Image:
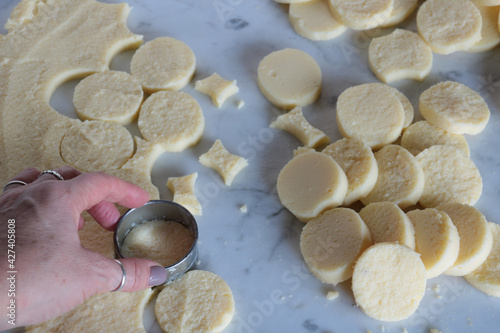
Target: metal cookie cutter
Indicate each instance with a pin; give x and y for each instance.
(160, 210)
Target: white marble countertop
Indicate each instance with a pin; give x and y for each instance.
(258, 253)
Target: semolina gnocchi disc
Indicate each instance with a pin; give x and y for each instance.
(401, 10)
(490, 35)
(361, 14)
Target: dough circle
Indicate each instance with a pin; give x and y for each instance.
(490, 35)
(400, 11)
(361, 14)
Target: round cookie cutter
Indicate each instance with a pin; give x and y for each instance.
(159, 210)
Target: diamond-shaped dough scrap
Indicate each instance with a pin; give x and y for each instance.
(226, 164)
(183, 191)
(218, 88)
(361, 14)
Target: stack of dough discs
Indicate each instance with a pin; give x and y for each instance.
(164, 63)
(199, 301)
(371, 113)
(173, 119)
(449, 26)
(487, 276)
(289, 78)
(361, 14)
(389, 281)
(110, 95)
(400, 55)
(332, 242)
(311, 183)
(388, 223)
(97, 146)
(450, 176)
(455, 108)
(359, 165)
(437, 240)
(475, 237)
(400, 178)
(423, 135)
(313, 20)
(400, 11)
(490, 35)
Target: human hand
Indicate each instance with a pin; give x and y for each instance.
(54, 273)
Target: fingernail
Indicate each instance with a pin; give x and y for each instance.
(157, 276)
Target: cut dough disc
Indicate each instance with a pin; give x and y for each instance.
(400, 55)
(400, 178)
(361, 14)
(199, 301)
(110, 96)
(359, 165)
(401, 10)
(490, 35)
(409, 112)
(455, 108)
(289, 78)
(164, 63)
(449, 26)
(389, 281)
(332, 242)
(173, 119)
(311, 183)
(313, 20)
(450, 176)
(97, 146)
(487, 276)
(371, 113)
(475, 237)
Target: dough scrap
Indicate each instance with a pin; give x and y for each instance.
(96, 146)
(218, 88)
(173, 119)
(400, 178)
(183, 191)
(450, 176)
(389, 281)
(490, 36)
(289, 78)
(449, 26)
(423, 135)
(146, 153)
(296, 124)
(332, 242)
(455, 108)
(110, 95)
(487, 276)
(226, 164)
(388, 223)
(475, 237)
(359, 165)
(371, 113)
(311, 183)
(401, 10)
(164, 63)
(361, 14)
(313, 20)
(199, 301)
(400, 55)
(437, 240)
(95, 238)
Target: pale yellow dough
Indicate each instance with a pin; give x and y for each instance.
(409, 112)
(401, 10)
(487, 276)
(172, 119)
(449, 26)
(371, 113)
(359, 165)
(400, 55)
(183, 190)
(389, 281)
(218, 88)
(450, 176)
(332, 242)
(361, 14)
(423, 135)
(313, 20)
(487, 2)
(199, 301)
(311, 183)
(139, 178)
(475, 237)
(400, 178)
(144, 157)
(296, 124)
(437, 240)
(96, 146)
(455, 108)
(110, 96)
(490, 35)
(226, 164)
(388, 223)
(289, 78)
(164, 63)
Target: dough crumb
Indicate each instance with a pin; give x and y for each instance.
(244, 209)
(240, 105)
(331, 295)
(218, 88)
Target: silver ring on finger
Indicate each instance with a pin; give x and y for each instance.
(14, 182)
(53, 173)
(124, 277)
